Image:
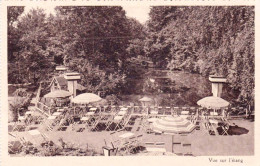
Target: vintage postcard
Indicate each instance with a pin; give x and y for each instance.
(129, 82)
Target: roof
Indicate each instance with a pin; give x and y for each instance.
(63, 83)
(61, 80)
(80, 87)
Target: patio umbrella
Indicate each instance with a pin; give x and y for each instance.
(145, 99)
(86, 98)
(58, 93)
(173, 125)
(213, 102)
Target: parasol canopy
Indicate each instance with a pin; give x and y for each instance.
(86, 98)
(58, 93)
(173, 125)
(145, 99)
(213, 102)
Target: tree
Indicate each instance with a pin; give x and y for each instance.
(35, 59)
(13, 13)
(207, 40)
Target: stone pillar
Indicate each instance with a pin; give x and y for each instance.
(217, 84)
(72, 79)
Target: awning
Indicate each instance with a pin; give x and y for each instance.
(58, 93)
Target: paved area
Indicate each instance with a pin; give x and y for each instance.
(202, 144)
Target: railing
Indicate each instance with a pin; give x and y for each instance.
(234, 112)
(38, 93)
(43, 108)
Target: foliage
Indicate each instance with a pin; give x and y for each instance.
(205, 40)
(89, 40)
(19, 102)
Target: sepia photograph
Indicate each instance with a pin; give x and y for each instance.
(131, 81)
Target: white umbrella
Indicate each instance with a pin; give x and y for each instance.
(173, 125)
(213, 102)
(86, 98)
(145, 99)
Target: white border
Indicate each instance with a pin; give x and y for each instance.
(111, 161)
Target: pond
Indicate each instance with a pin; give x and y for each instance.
(172, 88)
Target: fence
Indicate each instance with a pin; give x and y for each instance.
(43, 108)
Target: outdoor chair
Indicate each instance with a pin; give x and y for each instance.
(125, 149)
(14, 147)
(225, 130)
(95, 125)
(138, 142)
(19, 126)
(176, 111)
(145, 126)
(167, 111)
(119, 124)
(12, 135)
(45, 137)
(21, 119)
(137, 110)
(108, 124)
(133, 144)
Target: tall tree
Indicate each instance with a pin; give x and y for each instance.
(13, 13)
(208, 40)
(35, 59)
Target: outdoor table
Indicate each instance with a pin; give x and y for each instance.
(93, 109)
(154, 112)
(123, 109)
(184, 112)
(126, 135)
(28, 113)
(121, 112)
(151, 120)
(118, 117)
(52, 117)
(60, 110)
(213, 113)
(21, 118)
(213, 121)
(90, 113)
(86, 118)
(56, 113)
(34, 132)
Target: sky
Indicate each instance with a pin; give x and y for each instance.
(141, 13)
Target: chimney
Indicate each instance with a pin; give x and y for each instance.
(72, 82)
(217, 84)
(61, 69)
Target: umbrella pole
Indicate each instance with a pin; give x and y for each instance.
(172, 142)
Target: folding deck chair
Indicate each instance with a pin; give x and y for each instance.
(225, 130)
(95, 125)
(19, 126)
(14, 147)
